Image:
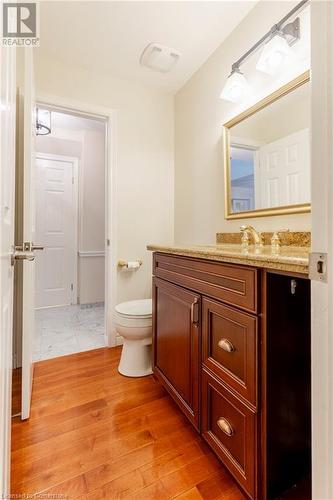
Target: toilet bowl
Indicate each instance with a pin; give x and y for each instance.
(133, 322)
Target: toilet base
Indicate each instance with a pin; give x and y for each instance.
(135, 358)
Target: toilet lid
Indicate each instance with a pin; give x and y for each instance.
(135, 308)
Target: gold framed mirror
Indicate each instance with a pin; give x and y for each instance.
(267, 155)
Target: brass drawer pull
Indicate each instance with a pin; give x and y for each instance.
(226, 345)
(225, 426)
(195, 312)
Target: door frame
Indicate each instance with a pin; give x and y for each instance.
(110, 116)
(75, 164)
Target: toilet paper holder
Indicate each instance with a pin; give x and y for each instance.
(124, 264)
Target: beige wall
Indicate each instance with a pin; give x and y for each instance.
(92, 217)
(145, 170)
(199, 116)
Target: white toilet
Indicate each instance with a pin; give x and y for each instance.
(134, 323)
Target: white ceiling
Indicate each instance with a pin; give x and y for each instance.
(109, 36)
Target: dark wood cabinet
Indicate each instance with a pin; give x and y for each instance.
(229, 427)
(231, 345)
(235, 285)
(287, 383)
(177, 344)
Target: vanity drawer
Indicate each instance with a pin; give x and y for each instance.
(229, 427)
(230, 347)
(235, 285)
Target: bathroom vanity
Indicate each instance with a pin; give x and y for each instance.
(231, 345)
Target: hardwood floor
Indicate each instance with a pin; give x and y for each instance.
(94, 434)
(16, 390)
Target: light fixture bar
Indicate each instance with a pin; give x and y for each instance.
(276, 28)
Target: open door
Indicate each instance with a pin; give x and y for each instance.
(26, 249)
(7, 205)
(322, 243)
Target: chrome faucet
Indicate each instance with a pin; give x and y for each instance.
(257, 237)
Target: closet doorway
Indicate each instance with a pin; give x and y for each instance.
(70, 225)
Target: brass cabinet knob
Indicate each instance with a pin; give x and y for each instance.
(226, 345)
(225, 426)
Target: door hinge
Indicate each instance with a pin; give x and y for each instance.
(318, 266)
(72, 287)
(72, 180)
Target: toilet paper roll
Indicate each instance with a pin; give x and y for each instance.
(134, 264)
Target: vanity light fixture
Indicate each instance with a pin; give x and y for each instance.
(278, 47)
(236, 86)
(273, 54)
(276, 42)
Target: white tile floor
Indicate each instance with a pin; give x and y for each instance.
(65, 330)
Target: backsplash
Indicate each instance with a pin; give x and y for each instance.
(290, 238)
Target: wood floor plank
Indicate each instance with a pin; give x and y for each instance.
(16, 390)
(192, 494)
(94, 434)
(66, 434)
(39, 432)
(219, 486)
(97, 439)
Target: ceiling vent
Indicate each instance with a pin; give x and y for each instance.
(159, 57)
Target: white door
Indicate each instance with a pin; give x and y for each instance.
(28, 314)
(285, 170)
(322, 242)
(7, 189)
(56, 230)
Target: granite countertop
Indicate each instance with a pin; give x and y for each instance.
(286, 258)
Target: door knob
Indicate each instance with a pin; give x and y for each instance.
(21, 255)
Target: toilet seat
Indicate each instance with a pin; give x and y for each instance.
(135, 309)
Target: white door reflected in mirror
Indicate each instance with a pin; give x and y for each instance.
(268, 155)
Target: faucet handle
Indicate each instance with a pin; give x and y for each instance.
(245, 240)
(275, 240)
(245, 227)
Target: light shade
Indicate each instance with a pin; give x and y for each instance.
(273, 54)
(236, 87)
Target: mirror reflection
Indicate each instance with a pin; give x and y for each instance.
(270, 155)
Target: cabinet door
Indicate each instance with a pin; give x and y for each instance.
(176, 339)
